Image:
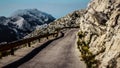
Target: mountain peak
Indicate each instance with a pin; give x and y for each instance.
(24, 21)
(35, 12)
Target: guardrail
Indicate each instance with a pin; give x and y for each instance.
(58, 29)
(12, 45)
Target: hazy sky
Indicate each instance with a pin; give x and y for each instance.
(57, 8)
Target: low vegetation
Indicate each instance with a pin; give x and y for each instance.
(86, 55)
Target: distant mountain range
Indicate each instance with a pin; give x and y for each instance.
(21, 23)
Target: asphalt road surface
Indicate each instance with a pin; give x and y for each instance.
(60, 53)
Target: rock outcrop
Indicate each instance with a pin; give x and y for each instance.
(99, 34)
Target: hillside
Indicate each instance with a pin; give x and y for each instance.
(21, 23)
(70, 20)
(99, 34)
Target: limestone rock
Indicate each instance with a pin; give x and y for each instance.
(101, 28)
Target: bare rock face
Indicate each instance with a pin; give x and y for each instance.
(99, 34)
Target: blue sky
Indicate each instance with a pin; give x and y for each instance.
(57, 8)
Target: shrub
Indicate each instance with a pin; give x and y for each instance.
(86, 55)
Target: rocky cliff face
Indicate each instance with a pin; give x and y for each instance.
(99, 34)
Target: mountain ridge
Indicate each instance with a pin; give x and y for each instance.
(23, 22)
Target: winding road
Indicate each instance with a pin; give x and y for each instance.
(61, 53)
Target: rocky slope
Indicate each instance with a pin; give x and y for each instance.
(21, 23)
(99, 34)
(70, 20)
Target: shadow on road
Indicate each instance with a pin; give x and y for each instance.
(31, 54)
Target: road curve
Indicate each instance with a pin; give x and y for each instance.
(60, 53)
